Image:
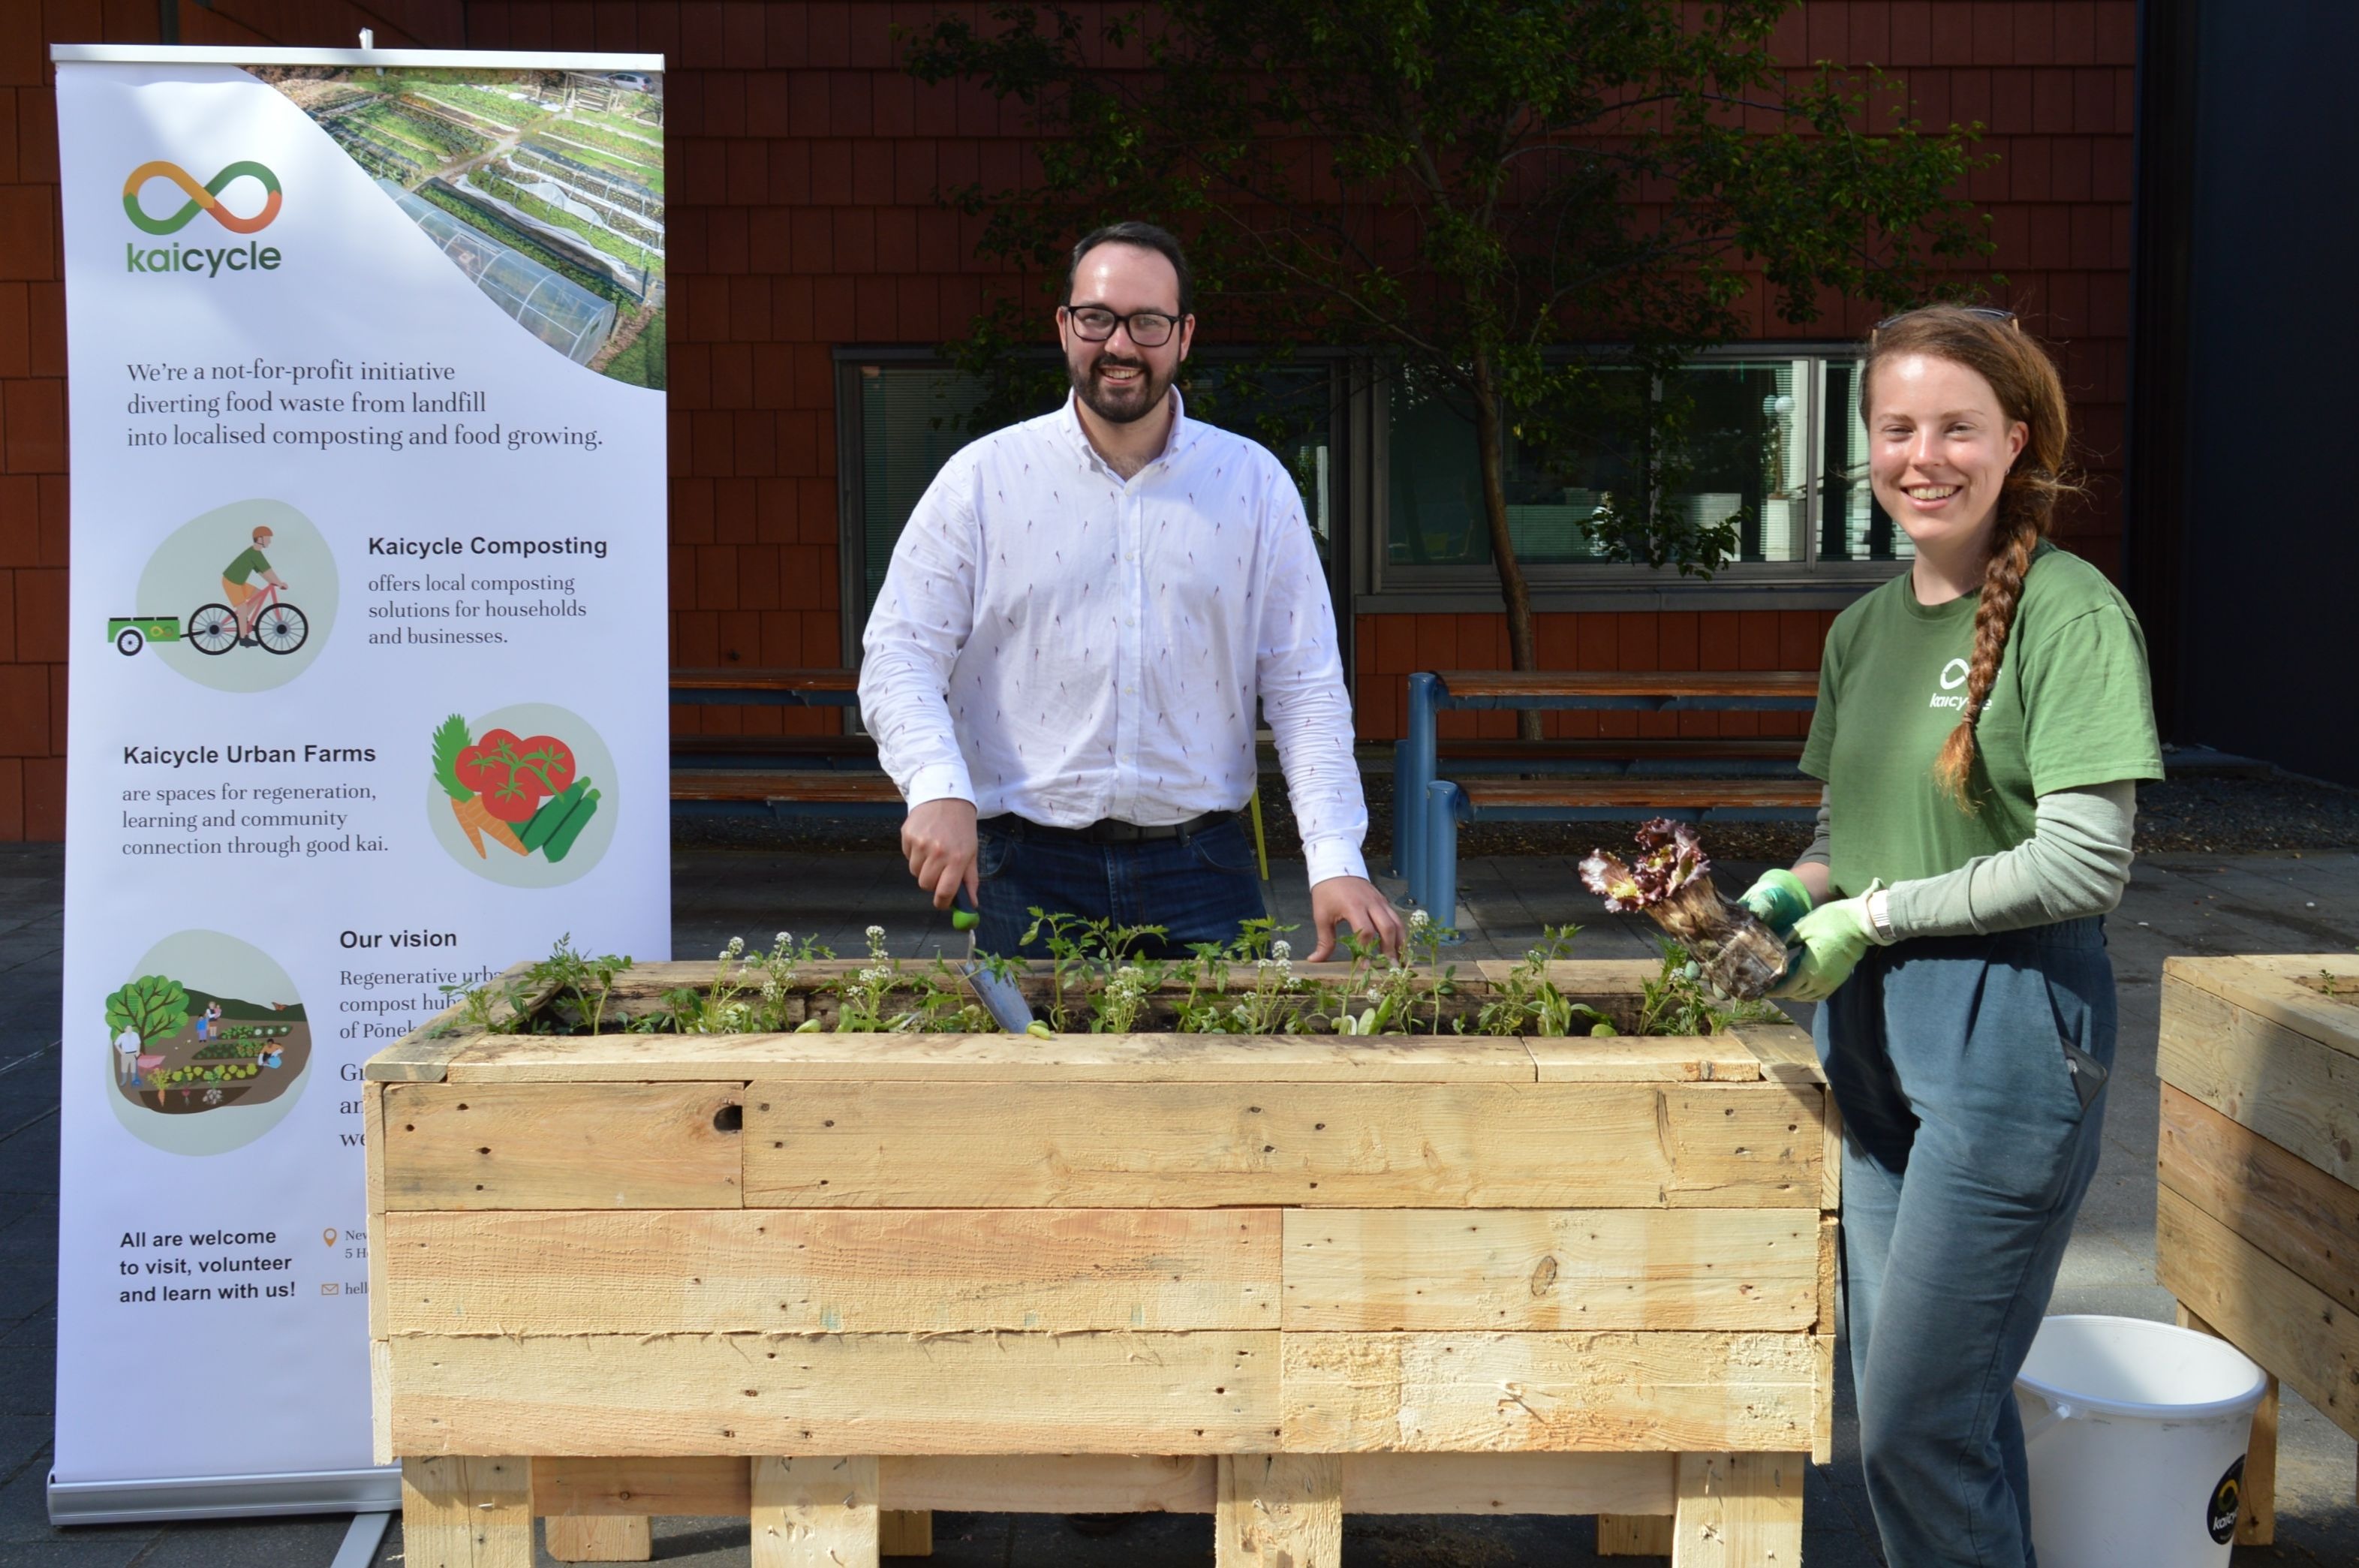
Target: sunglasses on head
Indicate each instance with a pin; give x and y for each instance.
(1987, 312)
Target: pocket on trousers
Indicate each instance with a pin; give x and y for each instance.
(1225, 848)
(994, 854)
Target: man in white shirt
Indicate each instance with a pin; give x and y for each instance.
(1063, 665)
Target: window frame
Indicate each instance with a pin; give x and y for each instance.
(1385, 586)
(1345, 481)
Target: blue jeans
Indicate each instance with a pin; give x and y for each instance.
(1200, 888)
(1966, 1153)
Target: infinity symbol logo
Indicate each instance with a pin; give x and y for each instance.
(202, 198)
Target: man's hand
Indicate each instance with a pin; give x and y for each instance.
(939, 839)
(1353, 900)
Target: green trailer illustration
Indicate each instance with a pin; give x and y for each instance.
(129, 634)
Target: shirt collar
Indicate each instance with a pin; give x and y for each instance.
(1181, 437)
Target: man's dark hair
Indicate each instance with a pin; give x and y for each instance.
(1146, 236)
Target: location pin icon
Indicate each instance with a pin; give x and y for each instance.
(329, 1236)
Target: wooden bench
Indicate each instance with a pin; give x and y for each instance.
(699, 752)
(764, 686)
(1449, 803)
(823, 792)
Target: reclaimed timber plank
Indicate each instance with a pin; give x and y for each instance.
(1334, 1146)
(1823, 1408)
(807, 1271)
(697, 1487)
(1463, 1393)
(1631, 1058)
(1787, 1054)
(2256, 1497)
(646, 1146)
(1631, 682)
(1555, 1483)
(2272, 1314)
(815, 1512)
(1670, 794)
(1738, 1510)
(599, 1538)
(1830, 1271)
(1831, 1149)
(1053, 1483)
(2266, 983)
(465, 1511)
(1278, 1510)
(420, 1056)
(1540, 1269)
(381, 1403)
(2288, 1207)
(992, 1057)
(904, 1532)
(1636, 1535)
(2297, 1093)
(372, 1165)
(629, 1395)
(1558, 1483)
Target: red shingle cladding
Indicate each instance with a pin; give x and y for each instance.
(803, 164)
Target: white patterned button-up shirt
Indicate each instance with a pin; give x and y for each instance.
(1054, 642)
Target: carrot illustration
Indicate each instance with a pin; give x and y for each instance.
(451, 740)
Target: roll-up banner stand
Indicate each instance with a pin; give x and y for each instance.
(367, 694)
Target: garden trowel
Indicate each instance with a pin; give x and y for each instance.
(995, 992)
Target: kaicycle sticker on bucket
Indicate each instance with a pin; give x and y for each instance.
(2227, 1502)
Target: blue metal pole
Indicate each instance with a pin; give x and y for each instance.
(1439, 895)
(1413, 770)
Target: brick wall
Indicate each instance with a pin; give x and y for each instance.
(802, 162)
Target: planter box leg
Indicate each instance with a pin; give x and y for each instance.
(1278, 1510)
(815, 1513)
(1739, 1510)
(2257, 1519)
(465, 1512)
(1634, 1535)
(906, 1532)
(600, 1538)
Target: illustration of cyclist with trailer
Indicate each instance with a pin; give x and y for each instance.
(255, 616)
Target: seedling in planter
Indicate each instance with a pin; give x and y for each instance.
(1527, 1002)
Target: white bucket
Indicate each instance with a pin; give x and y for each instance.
(2136, 1433)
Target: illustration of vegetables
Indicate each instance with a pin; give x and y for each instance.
(455, 764)
(524, 792)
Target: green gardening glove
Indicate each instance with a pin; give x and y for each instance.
(1778, 900)
(1833, 938)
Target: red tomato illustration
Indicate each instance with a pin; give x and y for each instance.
(549, 759)
(479, 769)
(514, 798)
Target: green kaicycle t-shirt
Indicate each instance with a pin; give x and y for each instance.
(2071, 707)
(245, 566)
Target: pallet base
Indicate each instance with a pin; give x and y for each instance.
(1705, 1510)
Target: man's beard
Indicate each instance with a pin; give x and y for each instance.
(1120, 405)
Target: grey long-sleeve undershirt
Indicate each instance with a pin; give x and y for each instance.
(2076, 863)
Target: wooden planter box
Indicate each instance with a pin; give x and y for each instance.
(833, 1280)
(2256, 1225)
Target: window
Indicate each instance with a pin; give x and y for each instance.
(902, 420)
(1768, 443)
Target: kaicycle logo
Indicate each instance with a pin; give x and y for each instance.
(1953, 675)
(205, 199)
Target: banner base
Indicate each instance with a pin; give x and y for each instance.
(224, 1496)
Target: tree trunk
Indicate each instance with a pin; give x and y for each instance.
(1523, 644)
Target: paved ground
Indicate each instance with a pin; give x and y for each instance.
(2178, 903)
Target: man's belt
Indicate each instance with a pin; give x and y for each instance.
(1108, 829)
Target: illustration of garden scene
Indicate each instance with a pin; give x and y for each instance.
(545, 187)
(180, 1049)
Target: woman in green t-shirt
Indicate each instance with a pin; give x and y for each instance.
(1982, 721)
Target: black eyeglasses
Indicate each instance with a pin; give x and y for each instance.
(1095, 323)
(1987, 312)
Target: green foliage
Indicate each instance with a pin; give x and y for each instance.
(1517, 205)
(588, 981)
(154, 1005)
(1675, 1001)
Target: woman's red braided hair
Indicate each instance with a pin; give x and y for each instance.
(2030, 391)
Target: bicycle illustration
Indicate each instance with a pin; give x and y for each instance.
(279, 627)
